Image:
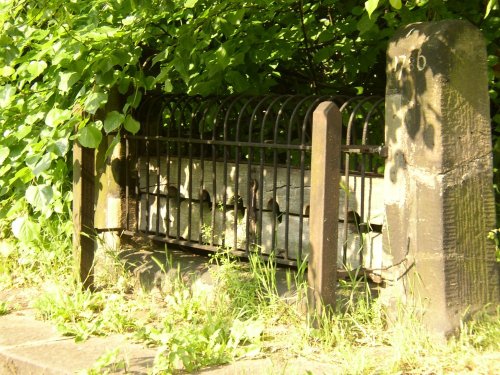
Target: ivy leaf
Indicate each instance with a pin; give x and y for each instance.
(190, 3)
(7, 71)
(222, 57)
(123, 85)
(370, 6)
(491, 5)
(131, 124)
(168, 87)
(25, 230)
(365, 24)
(161, 56)
(396, 4)
(24, 174)
(90, 136)
(127, 21)
(134, 100)
(112, 145)
(6, 93)
(66, 80)
(4, 153)
(113, 120)
(35, 68)
(95, 101)
(42, 165)
(40, 196)
(60, 147)
(57, 116)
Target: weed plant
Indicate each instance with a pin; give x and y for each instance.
(4, 308)
(47, 255)
(242, 315)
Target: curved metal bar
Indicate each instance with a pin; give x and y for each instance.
(368, 117)
(237, 172)
(275, 178)
(267, 111)
(252, 189)
(208, 104)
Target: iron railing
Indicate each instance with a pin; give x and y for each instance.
(234, 172)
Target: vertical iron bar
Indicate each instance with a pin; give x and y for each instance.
(127, 183)
(137, 186)
(287, 98)
(190, 116)
(261, 174)
(148, 203)
(168, 161)
(352, 118)
(158, 181)
(178, 124)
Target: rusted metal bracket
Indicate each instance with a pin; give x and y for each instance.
(366, 149)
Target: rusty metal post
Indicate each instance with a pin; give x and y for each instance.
(83, 213)
(324, 205)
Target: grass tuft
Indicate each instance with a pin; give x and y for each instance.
(242, 315)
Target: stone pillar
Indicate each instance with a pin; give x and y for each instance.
(438, 177)
(108, 211)
(324, 207)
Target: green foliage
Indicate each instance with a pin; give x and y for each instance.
(62, 63)
(193, 325)
(41, 250)
(80, 313)
(4, 308)
(110, 362)
(214, 326)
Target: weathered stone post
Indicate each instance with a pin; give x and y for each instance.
(438, 177)
(107, 217)
(108, 213)
(324, 207)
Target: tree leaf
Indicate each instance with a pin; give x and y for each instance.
(60, 147)
(95, 101)
(190, 3)
(365, 24)
(43, 164)
(131, 124)
(112, 145)
(90, 136)
(6, 93)
(66, 80)
(123, 85)
(492, 4)
(35, 68)
(370, 6)
(24, 174)
(39, 196)
(7, 71)
(396, 4)
(135, 99)
(57, 116)
(4, 153)
(25, 230)
(113, 121)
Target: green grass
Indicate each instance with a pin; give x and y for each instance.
(4, 308)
